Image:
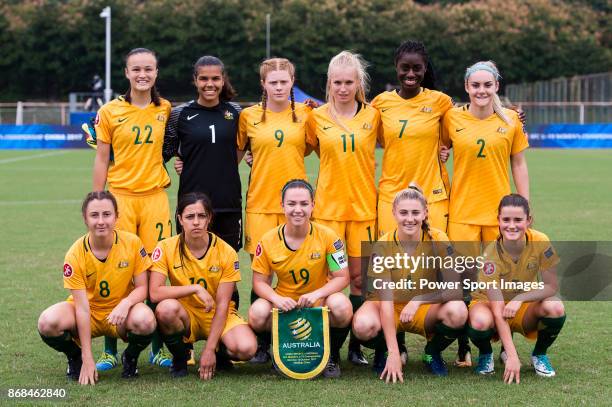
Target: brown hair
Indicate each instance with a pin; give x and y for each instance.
(276, 64)
(100, 196)
(183, 202)
(227, 92)
(155, 98)
(514, 200)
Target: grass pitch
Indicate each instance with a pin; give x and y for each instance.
(40, 196)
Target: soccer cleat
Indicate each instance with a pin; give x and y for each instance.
(356, 357)
(380, 361)
(107, 361)
(191, 360)
(464, 357)
(332, 369)
(163, 358)
(542, 366)
(435, 364)
(403, 353)
(503, 356)
(74, 367)
(130, 366)
(178, 369)
(262, 355)
(485, 364)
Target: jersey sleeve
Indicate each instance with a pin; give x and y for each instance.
(74, 273)
(445, 130)
(335, 256)
(142, 261)
(445, 103)
(520, 141)
(261, 264)
(102, 126)
(548, 257)
(231, 267)
(159, 259)
(242, 139)
(171, 140)
(311, 130)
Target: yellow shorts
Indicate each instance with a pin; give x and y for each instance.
(417, 325)
(147, 216)
(200, 322)
(256, 225)
(516, 323)
(99, 324)
(461, 232)
(437, 217)
(352, 233)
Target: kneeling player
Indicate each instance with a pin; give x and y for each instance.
(520, 258)
(203, 271)
(437, 315)
(105, 272)
(310, 265)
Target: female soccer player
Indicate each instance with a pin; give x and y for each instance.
(411, 122)
(133, 127)
(438, 316)
(525, 259)
(203, 270)
(105, 271)
(343, 132)
(318, 254)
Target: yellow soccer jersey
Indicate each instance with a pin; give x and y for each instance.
(481, 157)
(537, 255)
(345, 188)
(137, 137)
(426, 270)
(411, 139)
(106, 282)
(278, 146)
(303, 270)
(219, 265)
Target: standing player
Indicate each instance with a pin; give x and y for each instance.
(275, 133)
(105, 271)
(132, 126)
(520, 256)
(438, 316)
(343, 132)
(203, 271)
(309, 263)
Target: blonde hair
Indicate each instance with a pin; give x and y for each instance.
(276, 64)
(489, 66)
(413, 192)
(351, 60)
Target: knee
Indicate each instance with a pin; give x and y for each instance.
(455, 314)
(365, 328)
(258, 317)
(244, 349)
(48, 324)
(167, 311)
(481, 321)
(342, 312)
(142, 321)
(553, 308)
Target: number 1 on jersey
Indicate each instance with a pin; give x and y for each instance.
(212, 129)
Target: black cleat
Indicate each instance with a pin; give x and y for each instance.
(223, 360)
(380, 361)
(179, 366)
(74, 367)
(130, 366)
(356, 357)
(262, 355)
(332, 369)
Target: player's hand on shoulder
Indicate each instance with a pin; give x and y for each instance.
(208, 364)
(311, 103)
(444, 153)
(178, 166)
(393, 369)
(248, 158)
(285, 303)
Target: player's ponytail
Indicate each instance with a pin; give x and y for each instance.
(100, 196)
(227, 91)
(155, 98)
(183, 202)
(489, 66)
(276, 64)
(413, 192)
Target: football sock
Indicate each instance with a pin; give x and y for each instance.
(176, 346)
(254, 296)
(482, 339)
(62, 343)
(136, 344)
(356, 302)
(337, 338)
(110, 345)
(156, 340)
(443, 336)
(378, 342)
(548, 329)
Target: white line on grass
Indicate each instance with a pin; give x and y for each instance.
(29, 157)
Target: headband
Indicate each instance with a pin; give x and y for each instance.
(482, 67)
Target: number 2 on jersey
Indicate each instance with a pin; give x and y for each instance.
(480, 154)
(148, 129)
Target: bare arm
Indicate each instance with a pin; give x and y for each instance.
(89, 375)
(513, 364)
(138, 294)
(100, 169)
(262, 287)
(339, 281)
(158, 291)
(551, 286)
(208, 359)
(518, 164)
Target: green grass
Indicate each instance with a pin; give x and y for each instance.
(39, 207)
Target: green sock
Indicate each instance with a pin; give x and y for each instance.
(110, 345)
(62, 343)
(356, 302)
(482, 339)
(176, 346)
(548, 330)
(156, 340)
(136, 344)
(337, 338)
(443, 336)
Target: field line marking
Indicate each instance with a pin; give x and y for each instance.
(30, 157)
